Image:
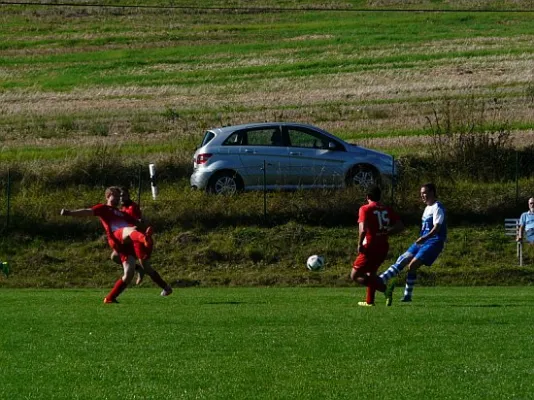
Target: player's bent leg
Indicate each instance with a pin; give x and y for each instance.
(358, 276)
(370, 280)
(129, 270)
(410, 279)
(140, 274)
(396, 268)
(126, 233)
(142, 251)
(377, 283)
(115, 257)
(389, 293)
(364, 273)
(128, 265)
(141, 238)
(156, 277)
(426, 255)
(370, 294)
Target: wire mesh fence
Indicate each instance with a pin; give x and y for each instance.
(490, 193)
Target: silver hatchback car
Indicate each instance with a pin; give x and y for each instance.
(283, 155)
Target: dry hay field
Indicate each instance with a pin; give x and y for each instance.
(149, 80)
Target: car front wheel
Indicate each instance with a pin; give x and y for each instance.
(225, 183)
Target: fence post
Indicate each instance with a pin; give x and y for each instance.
(139, 187)
(264, 190)
(153, 185)
(516, 177)
(8, 196)
(393, 181)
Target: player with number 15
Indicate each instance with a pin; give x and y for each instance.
(375, 222)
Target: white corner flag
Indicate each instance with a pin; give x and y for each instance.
(153, 186)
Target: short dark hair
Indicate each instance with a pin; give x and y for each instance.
(112, 189)
(430, 187)
(374, 193)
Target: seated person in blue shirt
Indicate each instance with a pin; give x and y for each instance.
(526, 224)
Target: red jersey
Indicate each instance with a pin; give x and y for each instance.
(112, 219)
(133, 210)
(378, 219)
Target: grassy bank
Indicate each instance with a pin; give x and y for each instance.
(208, 240)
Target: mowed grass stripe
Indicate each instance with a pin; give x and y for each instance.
(469, 343)
(263, 32)
(127, 73)
(134, 26)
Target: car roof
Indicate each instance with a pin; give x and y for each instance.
(233, 128)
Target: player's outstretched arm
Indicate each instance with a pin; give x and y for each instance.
(83, 212)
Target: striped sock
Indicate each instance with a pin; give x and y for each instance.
(395, 269)
(410, 282)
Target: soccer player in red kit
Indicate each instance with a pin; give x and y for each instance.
(375, 222)
(131, 208)
(123, 237)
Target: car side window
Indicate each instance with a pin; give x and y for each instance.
(265, 137)
(300, 138)
(309, 139)
(235, 139)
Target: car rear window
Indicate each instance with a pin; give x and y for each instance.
(208, 137)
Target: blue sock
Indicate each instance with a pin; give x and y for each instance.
(395, 269)
(410, 282)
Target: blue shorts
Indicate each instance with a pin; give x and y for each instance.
(426, 252)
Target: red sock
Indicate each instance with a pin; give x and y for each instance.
(117, 290)
(370, 297)
(158, 280)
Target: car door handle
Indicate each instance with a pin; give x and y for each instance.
(294, 153)
(250, 151)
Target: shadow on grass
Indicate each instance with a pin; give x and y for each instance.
(185, 283)
(488, 305)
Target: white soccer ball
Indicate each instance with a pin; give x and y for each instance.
(315, 263)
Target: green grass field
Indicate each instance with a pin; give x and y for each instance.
(307, 343)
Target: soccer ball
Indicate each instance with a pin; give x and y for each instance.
(315, 263)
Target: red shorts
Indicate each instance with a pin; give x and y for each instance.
(371, 259)
(133, 248)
